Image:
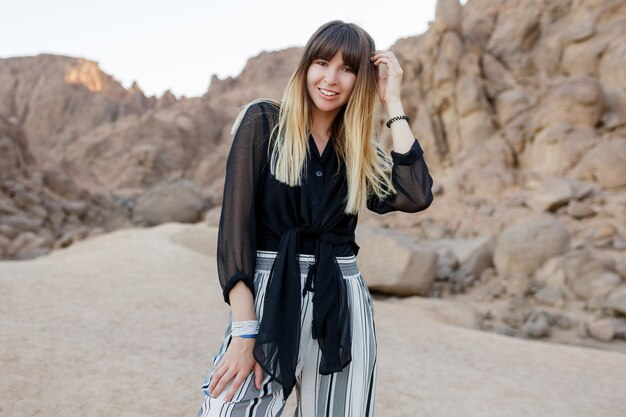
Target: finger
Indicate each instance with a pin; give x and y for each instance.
(236, 384)
(217, 378)
(223, 381)
(258, 376)
(386, 60)
(381, 59)
(391, 65)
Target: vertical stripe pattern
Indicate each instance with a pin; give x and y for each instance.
(350, 393)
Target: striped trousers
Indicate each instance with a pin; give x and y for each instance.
(349, 393)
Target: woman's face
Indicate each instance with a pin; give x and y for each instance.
(330, 83)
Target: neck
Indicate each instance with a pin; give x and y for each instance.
(322, 122)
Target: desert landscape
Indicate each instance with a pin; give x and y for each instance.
(513, 281)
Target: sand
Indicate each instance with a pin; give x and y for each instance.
(125, 324)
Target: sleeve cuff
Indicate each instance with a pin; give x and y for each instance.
(239, 276)
(409, 157)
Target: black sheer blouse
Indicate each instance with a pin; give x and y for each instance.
(259, 212)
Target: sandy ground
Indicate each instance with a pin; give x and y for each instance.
(126, 324)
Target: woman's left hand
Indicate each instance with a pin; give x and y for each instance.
(389, 85)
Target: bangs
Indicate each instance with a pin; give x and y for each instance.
(339, 38)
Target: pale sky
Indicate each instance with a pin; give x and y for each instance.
(178, 45)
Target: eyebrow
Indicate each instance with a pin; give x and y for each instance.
(322, 59)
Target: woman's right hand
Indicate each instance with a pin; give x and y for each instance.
(237, 363)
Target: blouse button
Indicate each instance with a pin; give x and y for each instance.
(318, 173)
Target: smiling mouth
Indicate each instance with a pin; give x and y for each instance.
(327, 93)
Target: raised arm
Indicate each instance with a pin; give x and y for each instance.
(236, 245)
(409, 174)
(411, 179)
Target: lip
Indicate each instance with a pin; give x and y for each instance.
(327, 97)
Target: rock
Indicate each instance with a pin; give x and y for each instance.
(605, 164)
(510, 104)
(470, 96)
(558, 148)
(523, 248)
(517, 29)
(485, 167)
(498, 78)
(28, 245)
(514, 318)
(38, 211)
(580, 209)
(552, 274)
(620, 331)
(612, 75)
(616, 301)
(495, 289)
(7, 231)
(447, 264)
(603, 231)
(56, 215)
(460, 258)
(22, 223)
(552, 193)
(78, 208)
(26, 198)
(552, 296)
(581, 58)
(602, 330)
(71, 237)
(61, 185)
(478, 22)
(451, 48)
(582, 30)
(433, 231)
(564, 321)
(393, 264)
(537, 325)
(573, 100)
(586, 276)
(476, 127)
(448, 15)
(8, 206)
(517, 284)
(172, 201)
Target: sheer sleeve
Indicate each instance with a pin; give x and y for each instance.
(236, 241)
(411, 179)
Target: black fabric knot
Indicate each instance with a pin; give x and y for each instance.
(277, 343)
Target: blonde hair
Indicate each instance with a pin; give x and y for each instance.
(368, 166)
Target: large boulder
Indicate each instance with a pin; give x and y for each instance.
(524, 247)
(171, 201)
(393, 263)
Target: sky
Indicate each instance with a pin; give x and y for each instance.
(179, 45)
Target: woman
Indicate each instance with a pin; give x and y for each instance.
(298, 172)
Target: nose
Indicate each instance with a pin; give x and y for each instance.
(330, 76)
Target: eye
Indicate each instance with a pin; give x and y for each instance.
(320, 62)
(348, 69)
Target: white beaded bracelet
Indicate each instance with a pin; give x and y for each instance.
(248, 328)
